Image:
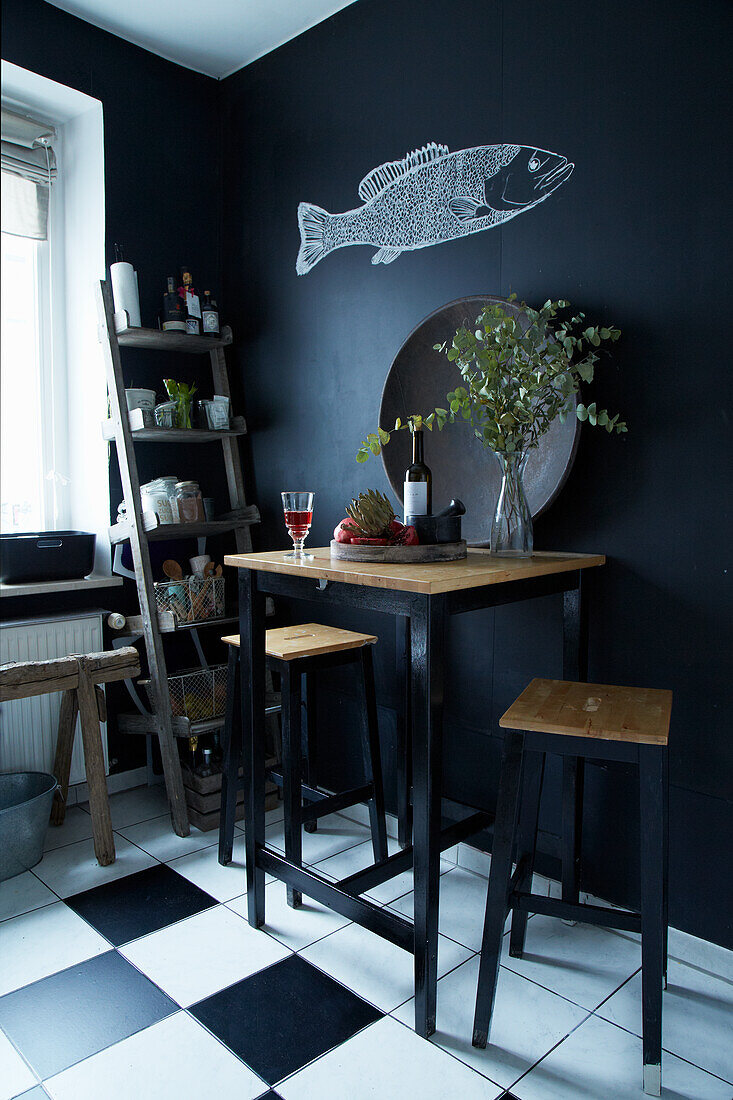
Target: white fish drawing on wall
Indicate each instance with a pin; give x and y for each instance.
(430, 196)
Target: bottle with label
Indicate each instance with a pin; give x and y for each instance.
(192, 303)
(174, 310)
(418, 489)
(209, 316)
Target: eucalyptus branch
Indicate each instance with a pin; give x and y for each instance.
(520, 373)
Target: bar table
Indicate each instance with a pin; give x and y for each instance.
(424, 596)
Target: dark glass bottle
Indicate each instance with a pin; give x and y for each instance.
(418, 489)
(174, 309)
(209, 316)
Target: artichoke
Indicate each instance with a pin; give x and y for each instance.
(371, 514)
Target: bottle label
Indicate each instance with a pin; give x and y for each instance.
(416, 498)
(211, 320)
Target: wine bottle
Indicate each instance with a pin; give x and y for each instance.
(174, 310)
(192, 303)
(418, 490)
(209, 316)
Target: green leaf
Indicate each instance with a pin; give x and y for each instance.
(582, 413)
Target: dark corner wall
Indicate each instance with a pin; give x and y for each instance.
(635, 94)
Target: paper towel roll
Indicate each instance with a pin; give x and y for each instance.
(124, 291)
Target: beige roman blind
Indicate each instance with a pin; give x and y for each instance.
(28, 171)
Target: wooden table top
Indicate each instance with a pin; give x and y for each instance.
(478, 569)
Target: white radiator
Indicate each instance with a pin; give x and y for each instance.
(28, 727)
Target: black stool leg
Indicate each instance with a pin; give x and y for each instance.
(651, 799)
(311, 712)
(534, 766)
(499, 875)
(666, 863)
(231, 759)
(290, 696)
(372, 756)
(572, 826)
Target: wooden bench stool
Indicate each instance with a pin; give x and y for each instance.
(78, 677)
(294, 651)
(590, 721)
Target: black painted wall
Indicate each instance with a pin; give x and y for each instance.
(163, 203)
(636, 96)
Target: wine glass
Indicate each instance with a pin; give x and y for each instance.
(298, 509)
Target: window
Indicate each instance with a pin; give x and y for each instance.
(54, 462)
(30, 470)
(32, 448)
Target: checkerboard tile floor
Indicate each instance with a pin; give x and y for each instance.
(144, 980)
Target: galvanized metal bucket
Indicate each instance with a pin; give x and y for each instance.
(25, 808)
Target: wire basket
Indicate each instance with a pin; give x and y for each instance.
(192, 599)
(199, 695)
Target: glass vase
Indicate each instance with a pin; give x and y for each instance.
(511, 529)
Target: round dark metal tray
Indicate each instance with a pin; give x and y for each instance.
(418, 380)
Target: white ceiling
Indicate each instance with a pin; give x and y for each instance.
(215, 37)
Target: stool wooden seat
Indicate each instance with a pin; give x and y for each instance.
(596, 721)
(289, 643)
(297, 653)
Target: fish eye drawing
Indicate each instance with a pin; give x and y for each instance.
(431, 196)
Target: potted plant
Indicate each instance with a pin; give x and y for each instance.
(520, 373)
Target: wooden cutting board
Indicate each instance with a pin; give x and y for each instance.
(393, 555)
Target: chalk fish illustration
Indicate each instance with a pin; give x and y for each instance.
(430, 196)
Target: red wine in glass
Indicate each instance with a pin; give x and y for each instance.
(298, 509)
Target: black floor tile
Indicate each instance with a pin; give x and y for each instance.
(61, 1019)
(269, 1095)
(141, 903)
(283, 1017)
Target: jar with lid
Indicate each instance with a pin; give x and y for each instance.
(189, 502)
(154, 498)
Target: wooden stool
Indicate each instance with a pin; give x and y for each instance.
(78, 677)
(600, 722)
(294, 651)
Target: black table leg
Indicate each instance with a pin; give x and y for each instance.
(499, 876)
(252, 691)
(534, 766)
(653, 933)
(575, 667)
(427, 631)
(292, 771)
(232, 758)
(311, 743)
(372, 756)
(404, 733)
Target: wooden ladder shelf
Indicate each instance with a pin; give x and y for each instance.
(139, 529)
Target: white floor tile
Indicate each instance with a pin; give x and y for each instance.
(697, 1016)
(203, 869)
(198, 956)
(361, 856)
(77, 826)
(296, 928)
(176, 1059)
(15, 1076)
(582, 962)
(140, 804)
(374, 968)
(528, 1021)
(23, 893)
(42, 942)
(387, 1060)
(462, 907)
(158, 839)
(74, 868)
(599, 1062)
(335, 833)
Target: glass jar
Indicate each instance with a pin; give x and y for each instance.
(511, 530)
(154, 498)
(189, 502)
